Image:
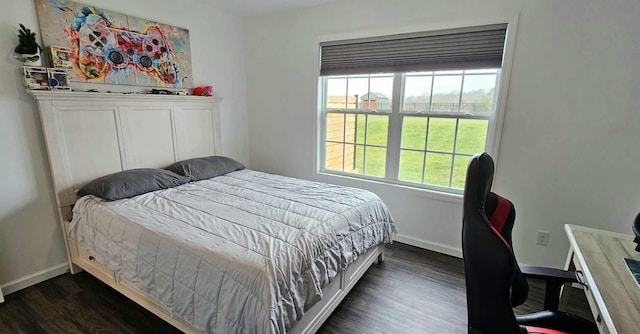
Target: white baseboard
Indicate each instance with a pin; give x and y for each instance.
(35, 278)
(434, 246)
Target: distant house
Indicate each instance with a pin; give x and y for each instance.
(374, 100)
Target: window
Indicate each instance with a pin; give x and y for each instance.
(411, 127)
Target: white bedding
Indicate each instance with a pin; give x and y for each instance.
(247, 252)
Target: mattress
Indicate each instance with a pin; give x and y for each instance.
(247, 252)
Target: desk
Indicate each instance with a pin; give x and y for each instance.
(612, 292)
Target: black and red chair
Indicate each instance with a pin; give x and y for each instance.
(495, 283)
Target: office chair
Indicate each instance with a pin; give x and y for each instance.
(495, 283)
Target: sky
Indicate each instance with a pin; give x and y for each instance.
(417, 84)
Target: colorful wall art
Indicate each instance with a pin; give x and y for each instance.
(114, 48)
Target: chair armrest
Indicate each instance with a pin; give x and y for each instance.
(554, 278)
(549, 274)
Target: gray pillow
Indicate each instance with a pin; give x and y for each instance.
(131, 183)
(205, 168)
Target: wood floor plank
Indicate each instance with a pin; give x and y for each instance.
(413, 291)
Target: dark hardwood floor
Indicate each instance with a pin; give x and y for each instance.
(419, 291)
(413, 291)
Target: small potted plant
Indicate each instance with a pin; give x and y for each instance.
(28, 50)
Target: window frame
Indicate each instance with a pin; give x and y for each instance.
(494, 131)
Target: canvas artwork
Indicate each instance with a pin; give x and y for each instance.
(115, 48)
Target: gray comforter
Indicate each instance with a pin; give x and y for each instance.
(247, 252)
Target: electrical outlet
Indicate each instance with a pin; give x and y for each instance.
(543, 238)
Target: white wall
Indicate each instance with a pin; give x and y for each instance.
(30, 237)
(570, 146)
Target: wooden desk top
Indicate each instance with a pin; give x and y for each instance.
(600, 255)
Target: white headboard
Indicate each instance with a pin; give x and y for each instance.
(89, 135)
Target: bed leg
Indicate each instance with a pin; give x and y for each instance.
(74, 269)
(381, 257)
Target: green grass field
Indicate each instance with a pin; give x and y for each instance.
(437, 166)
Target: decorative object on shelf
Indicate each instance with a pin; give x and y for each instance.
(167, 92)
(60, 57)
(28, 50)
(203, 91)
(160, 92)
(114, 48)
(59, 78)
(35, 78)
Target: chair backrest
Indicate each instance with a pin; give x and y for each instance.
(493, 279)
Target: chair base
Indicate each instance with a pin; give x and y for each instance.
(538, 330)
(560, 321)
(524, 330)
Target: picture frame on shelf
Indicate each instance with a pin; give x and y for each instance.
(36, 78)
(60, 57)
(58, 78)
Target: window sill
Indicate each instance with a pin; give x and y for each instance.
(352, 181)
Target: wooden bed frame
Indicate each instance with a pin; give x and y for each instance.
(89, 135)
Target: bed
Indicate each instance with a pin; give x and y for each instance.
(242, 252)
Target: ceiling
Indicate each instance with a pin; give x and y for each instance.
(257, 7)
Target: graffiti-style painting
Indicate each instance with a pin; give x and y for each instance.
(114, 48)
